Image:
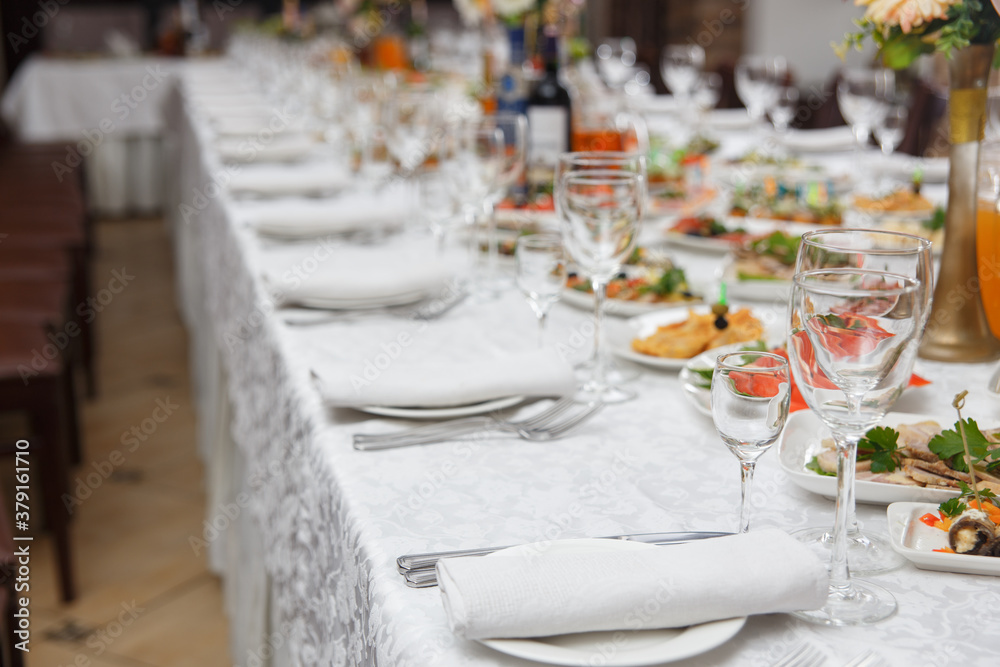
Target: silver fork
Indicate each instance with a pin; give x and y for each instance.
(867, 659)
(540, 431)
(479, 421)
(805, 655)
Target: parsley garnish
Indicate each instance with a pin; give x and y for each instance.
(815, 467)
(948, 446)
(952, 507)
(935, 222)
(967, 490)
(880, 447)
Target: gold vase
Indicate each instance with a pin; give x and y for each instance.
(957, 329)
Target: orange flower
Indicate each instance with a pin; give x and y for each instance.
(907, 14)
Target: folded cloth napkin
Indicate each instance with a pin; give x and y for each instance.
(819, 141)
(540, 593)
(270, 148)
(354, 277)
(276, 180)
(309, 218)
(434, 383)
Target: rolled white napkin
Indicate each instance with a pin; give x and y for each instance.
(269, 148)
(432, 383)
(276, 180)
(819, 141)
(305, 218)
(538, 593)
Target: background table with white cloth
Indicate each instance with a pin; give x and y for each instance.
(109, 112)
(305, 530)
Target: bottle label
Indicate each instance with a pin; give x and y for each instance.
(547, 128)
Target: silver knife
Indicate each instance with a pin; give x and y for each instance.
(418, 567)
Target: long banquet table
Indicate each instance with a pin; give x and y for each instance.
(306, 530)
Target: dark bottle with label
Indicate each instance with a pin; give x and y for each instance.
(549, 118)
(513, 91)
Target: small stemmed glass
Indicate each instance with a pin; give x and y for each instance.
(750, 399)
(864, 97)
(600, 211)
(851, 340)
(680, 66)
(541, 274)
(877, 250)
(512, 128)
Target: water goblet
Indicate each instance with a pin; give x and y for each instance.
(750, 399)
(757, 81)
(541, 274)
(878, 250)
(851, 339)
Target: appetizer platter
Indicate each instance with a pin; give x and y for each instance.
(904, 210)
(917, 532)
(717, 234)
(649, 281)
(670, 338)
(813, 203)
(762, 268)
(914, 459)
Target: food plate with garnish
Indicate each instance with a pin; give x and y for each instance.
(917, 533)
(762, 268)
(670, 338)
(696, 375)
(717, 234)
(648, 282)
(895, 464)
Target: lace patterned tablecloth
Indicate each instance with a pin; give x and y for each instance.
(333, 520)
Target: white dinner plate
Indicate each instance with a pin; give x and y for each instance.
(902, 167)
(442, 413)
(585, 301)
(826, 140)
(754, 226)
(729, 119)
(915, 541)
(801, 441)
(638, 648)
(772, 291)
(621, 334)
(324, 303)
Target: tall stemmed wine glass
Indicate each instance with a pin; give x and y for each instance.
(750, 399)
(512, 128)
(541, 274)
(470, 155)
(600, 211)
(680, 66)
(864, 97)
(851, 340)
(876, 250)
(615, 374)
(758, 80)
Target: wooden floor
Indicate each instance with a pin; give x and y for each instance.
(145, 599)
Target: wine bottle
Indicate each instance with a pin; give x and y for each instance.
(549, 118)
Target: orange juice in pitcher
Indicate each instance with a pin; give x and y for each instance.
(988, 259)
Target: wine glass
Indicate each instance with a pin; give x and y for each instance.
(750, 399)
(470, 156)
(600, 211)
(861, 327)
(410, 117)
(680, 65)
(757, 81)
(512, 130)
(863, 96)
(615, 58)
(437, 204)
(878, 250)
(706, 94)
(786, 105)
(891, 129)
(541, 274)
(615, 373)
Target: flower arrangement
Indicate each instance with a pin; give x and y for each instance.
(473, 12)
(904, 29)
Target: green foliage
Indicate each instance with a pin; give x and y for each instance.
(952, 507)
(969, 22)
(948, 445)
(880, 447)
(814, 466)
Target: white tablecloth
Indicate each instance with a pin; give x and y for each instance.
(109, 112)
(329, 521)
